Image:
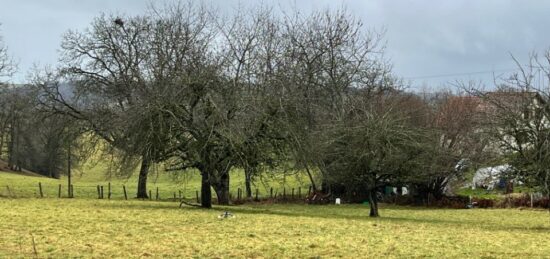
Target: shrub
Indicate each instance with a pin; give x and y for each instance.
(484, 203)
(542, 203)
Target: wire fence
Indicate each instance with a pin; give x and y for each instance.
(125, 192)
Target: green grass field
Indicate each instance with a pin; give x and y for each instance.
(100, 228)
(87, 227)
(85, 183)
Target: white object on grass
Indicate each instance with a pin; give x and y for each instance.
(489, 176)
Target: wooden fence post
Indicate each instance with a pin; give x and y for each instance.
(124, 189)
(157, 197)
(109, 191)
(309, 191)
(98, 193)
(59, 192)
(101, 187)
(72, 191)
(198, 198)
(150, 195)
(531, 200)
(239, 194)
(40, 190)
(257, 195)
(271, 192)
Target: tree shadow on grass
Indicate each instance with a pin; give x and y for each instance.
(389, 219)
(325, 214)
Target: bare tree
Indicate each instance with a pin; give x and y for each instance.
(455, 123)
(7, 68)
(212, 93)
(7, 64)
(327, 56)
(40, 149)
(105, 81)
(254, 48)
(17, 113)
(517, 120)
(374, 146)
(193, 96)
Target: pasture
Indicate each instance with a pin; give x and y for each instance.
(186, 183)
(88, 227)
(60, 228)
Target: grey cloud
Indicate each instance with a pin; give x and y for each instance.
(423, 37)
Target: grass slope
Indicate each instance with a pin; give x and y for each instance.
(99, 170)
(85, 184)
(100, 228)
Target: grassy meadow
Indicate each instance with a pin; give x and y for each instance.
(87, 228)
(86, 179)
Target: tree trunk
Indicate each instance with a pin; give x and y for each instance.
(547, 187)
(2, 141)
(142, 180)
(69, 183)
(222, 189)
(206, 192)
(373, 204)
(50, 171)
(248, 172)
(11, 147)
(311, 178)
(438, 187)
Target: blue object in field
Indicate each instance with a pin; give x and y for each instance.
(502, 183)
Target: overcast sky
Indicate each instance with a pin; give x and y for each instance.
(431, 43)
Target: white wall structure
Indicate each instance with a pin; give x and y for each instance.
(489, 176)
